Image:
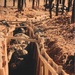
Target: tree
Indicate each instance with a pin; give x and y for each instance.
(45, 4)
(13, 2)
(60, 1)
(57, 3)
(37, 2)
(44, 1)
(25, 2)
(69, 4)
(50, 8)
(63, 6)
(20, 5)
(5, 2)
(33, 3)
(73, 13)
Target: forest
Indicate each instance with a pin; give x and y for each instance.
(70, 3)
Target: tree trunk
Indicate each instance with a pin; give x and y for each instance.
(13, 2)
(69, 4)
(50, 8)
(37, 2)
(46, 5)
(33, 3)
(20, 5)
(63, 6)
(73, 13)
(25, 2)
(5, 2)
(60, 1)
(44, 1)
(57, 3)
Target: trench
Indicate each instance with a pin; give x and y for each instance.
(28, 65)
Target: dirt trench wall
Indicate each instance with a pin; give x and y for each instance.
(61, 56)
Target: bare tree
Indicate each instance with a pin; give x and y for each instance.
(69, 4)
(5, 2)
(44, 0)
(46, 4)
(73, 13)
(13, 2)
(63, 6)
(33, 3)
(20, 5)
(57, 3)
(37, 2)
(25, 2)
(60, 1)
(50, 8)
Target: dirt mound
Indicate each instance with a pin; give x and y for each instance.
(60, 42)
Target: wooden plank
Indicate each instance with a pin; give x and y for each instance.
(1, 53)
(46, 70)
(16, 21)
(64, 73)
(21, 26)
(2, 72)
(20, 38)
(48, 65)
(6, 59)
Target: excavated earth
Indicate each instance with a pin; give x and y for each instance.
(57, 32)
(59, 42)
